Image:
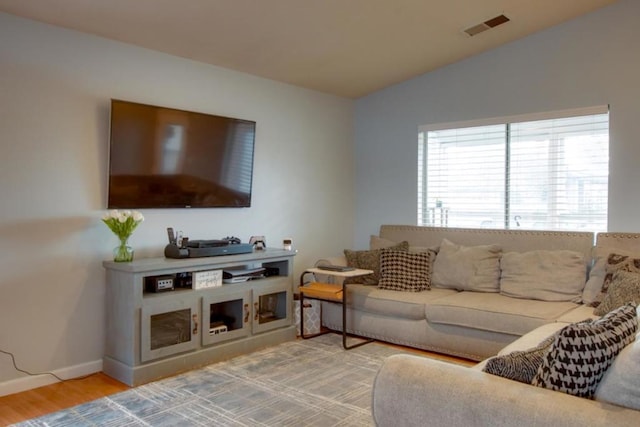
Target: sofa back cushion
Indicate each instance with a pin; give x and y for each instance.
(467, 268)
(543, 275)
(508, 240)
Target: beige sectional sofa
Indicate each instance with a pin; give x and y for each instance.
(416, 391)
(468, 324)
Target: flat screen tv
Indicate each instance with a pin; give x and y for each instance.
(166, 158)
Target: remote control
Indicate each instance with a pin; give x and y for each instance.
(171, 235)
(339, 268)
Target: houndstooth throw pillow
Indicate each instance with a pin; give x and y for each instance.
(405, 271)
(369, 260)
(581, 353)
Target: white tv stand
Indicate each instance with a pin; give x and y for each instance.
(153, 335)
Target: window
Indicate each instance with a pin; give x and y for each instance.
(544, 172)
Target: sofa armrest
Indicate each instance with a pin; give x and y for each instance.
(416, 391)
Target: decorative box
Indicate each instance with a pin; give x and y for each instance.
(312, 316)
(207, 279)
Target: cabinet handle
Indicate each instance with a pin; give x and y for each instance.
(246, 313)
(195, 324)
(255, 308)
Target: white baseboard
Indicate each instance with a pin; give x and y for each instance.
(30, 382)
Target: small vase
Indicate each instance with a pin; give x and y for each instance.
(123, 252)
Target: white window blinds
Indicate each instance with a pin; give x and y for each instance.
(549, 172)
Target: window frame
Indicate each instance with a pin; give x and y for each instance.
(423, 215)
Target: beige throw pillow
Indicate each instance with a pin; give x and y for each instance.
(620, 385)
(467, 268)
(543, 275)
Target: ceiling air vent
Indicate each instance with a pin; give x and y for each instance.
(486, 25)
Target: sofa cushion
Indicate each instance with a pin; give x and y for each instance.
(533, 338)
(582, 352)
(470, 268)
(624, 288)
(543, 275)
(406, 305)
(495, 312)
(369, 260)
(579, 313)
(616, 262)
(404, 271)
(620, 385)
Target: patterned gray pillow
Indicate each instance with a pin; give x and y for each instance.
(519, 365)
(404, 271)
(581, 353)
(624, 288)
(615, 262)
(369, 260)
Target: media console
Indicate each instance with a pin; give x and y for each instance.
(153, 334)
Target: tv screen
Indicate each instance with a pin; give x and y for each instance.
(166, 158)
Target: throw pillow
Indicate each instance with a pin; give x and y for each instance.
(624, 288)
(545, 275)
(582, 352)
(520, 366)
(404, 271)
(377, 242)
(621, 383)
(597, 272)
(467, 268)
(369, 260)
(616, 262)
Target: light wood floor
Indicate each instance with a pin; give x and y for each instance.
(43, 400)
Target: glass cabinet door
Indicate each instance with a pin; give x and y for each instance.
(271, 306)
(226, 316)
(169, 326)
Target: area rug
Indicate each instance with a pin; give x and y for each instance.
(299, 383)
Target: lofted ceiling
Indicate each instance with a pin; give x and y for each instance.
(349, 48)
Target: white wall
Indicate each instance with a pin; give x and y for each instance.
(592, 60)
(55, 87)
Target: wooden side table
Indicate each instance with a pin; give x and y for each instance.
(329, 292)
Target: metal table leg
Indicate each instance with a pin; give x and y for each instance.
(344, 323)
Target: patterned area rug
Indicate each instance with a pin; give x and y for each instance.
(303, 382)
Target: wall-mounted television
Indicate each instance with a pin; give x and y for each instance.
(167, 158)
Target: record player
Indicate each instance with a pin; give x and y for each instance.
(182, 247)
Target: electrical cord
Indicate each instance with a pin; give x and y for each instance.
(15, 366)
